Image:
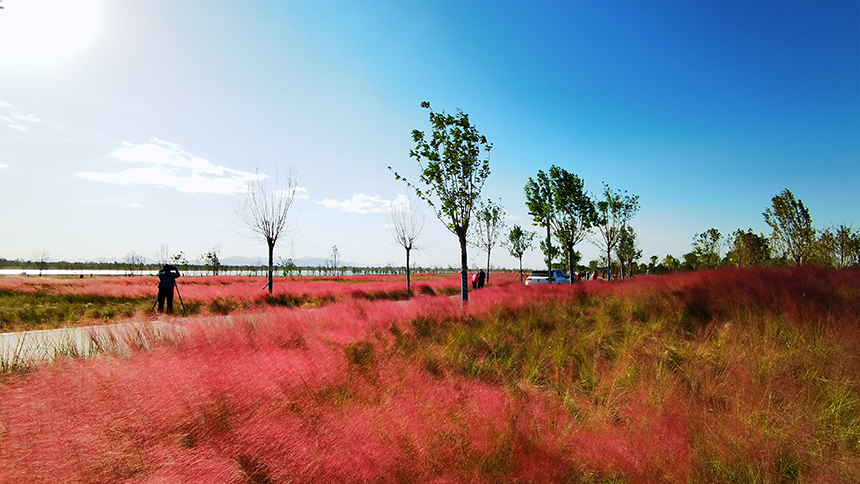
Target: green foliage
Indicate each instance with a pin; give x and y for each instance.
(706, 247)
(748, 249)
(559, 200)
(614, 211)
(451, 169)
(211, 260)
(846, 247)
(793, 236)
(518, 242)
(288, 267)
(628, 253)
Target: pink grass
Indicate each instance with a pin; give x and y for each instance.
(322, 395)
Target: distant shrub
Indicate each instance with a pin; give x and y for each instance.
(288, 300)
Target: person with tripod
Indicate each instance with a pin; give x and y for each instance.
(166, 282)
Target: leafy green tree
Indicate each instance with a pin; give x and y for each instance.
(575, 213)
(846, 247)
(706, 246)
(614, 211)
(179, 260)
(691, 261)
(823, 250)
(627, 252)
(793, 236)
(211, 260)
(539, 200)
(452, 175)
(559, 200)
(652, 265)
(288, 267)
(487, 228)
(748, 249)
(670, 263)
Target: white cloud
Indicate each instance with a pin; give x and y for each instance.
(298, 192)
(135, 205)
(26, 117)
(171, 166)
(4, 165)
(361, 203)
(15, 120)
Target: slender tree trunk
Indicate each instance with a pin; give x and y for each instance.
(464, 267)
(570, 262)
(271, 264)
(488, 267)
(608, 262)
(408, 282)
(521, 268)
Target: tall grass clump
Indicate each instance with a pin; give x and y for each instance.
(718, 376)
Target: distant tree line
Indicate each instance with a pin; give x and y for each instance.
(793, 241)
(282, 270)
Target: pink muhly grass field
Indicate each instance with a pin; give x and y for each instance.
(208, 288)
(714, 376)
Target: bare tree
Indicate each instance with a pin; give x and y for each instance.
(333, 255)
(266, 210)
(406, 225)
(134, 263)
(41, 258)
(162, 254)
(488, 226)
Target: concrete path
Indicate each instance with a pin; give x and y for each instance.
(28, 348)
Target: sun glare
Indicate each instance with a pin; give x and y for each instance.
(36, 34)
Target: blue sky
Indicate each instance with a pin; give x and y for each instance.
(128, 125)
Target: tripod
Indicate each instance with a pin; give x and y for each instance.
(175, 286)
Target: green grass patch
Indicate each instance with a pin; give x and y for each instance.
(20, 311)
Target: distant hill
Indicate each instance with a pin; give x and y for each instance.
(301, 262)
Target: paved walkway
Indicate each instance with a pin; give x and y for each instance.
(27, 348)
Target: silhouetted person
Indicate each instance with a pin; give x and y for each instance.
(481, 277)
(166, 282)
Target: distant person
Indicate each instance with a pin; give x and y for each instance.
(166, 282)
(475, 280)
(482, 276)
